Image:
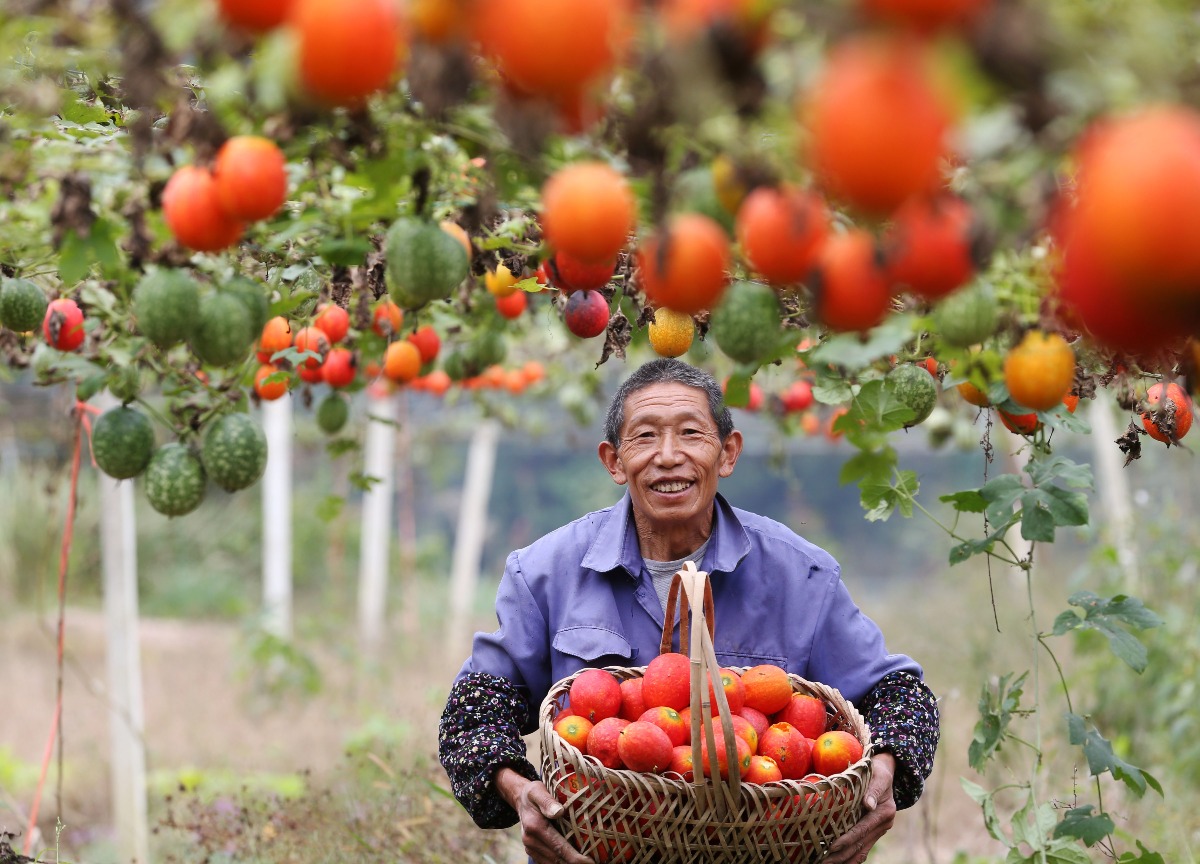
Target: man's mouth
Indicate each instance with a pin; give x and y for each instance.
(671, 485)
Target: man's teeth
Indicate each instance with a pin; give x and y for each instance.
(676, 486)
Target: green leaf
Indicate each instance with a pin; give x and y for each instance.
(1066, 507)
(854, 351)
(987, 803)
(832, 391)
(737, 390)
(329, 507)
(363, 482)
(1064, 851)
(970, 548)
(1033, 825)
(1084, 823)
(1100, 757)
(1110, 616)
(1001, 494)
(1043, 471)
(1037, 522)
(1147, 857)
(995, 713)
(340, 446)
(344, 251)
(875, 409)
(967, 501)
(73, 259)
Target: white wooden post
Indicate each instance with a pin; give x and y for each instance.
(378, 463)
(1112, 483)
(468, 539)
(406, 523)
(277, 517)
(126, 712)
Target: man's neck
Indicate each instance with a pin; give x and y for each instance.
(673, 543)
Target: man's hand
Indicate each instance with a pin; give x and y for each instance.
(536, 807)
(879, 813)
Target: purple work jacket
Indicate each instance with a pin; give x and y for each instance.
(581, 596)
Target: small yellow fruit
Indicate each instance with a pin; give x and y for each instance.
(728, 185)
(671, 332)
(1040, 370)
(501, 282)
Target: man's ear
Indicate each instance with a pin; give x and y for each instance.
(612, 461)
(730, 450)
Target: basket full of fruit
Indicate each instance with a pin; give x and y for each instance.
(656, 764)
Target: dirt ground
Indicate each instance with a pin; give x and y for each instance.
(203, 715)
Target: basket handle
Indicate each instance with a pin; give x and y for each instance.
(675, 597)
(698, 592)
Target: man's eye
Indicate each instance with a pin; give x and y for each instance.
(645, 435)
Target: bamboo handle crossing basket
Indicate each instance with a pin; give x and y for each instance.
(615, 815)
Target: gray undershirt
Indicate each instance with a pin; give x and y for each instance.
(663, 571)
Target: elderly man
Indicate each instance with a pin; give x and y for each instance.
(593, 592)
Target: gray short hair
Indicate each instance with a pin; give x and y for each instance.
(667, 370)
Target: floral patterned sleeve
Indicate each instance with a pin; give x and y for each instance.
(903, 715)
(480, 733)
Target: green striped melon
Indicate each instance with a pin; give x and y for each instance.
(122, 442)
(968, 316)
(235, 452)
(22, 305)
(175, 481)
(224, 331)
(424, 263)
(166, 304)
(332, 414)
(914, 387)
(745, 325)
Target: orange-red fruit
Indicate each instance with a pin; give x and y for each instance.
(251, 177)
(427, 341)
(276, 335)
(878, 123)
(796, 398)
(387, 318)
(851, 289)
(256, 15)
(588, 211)
(745, 730)
(758, 719)
(667, 681)
(681, 761)
(192, 209)
(929, 246)
(763, 769)
(553, 49)
(1040, 370)
(339, 368)
(586, 314)
(604, 741)
(767, 688)
(632, 704)
(722, 756)
(62, 325)
(347, 51)
(513, 305)
(595, 694)
(1138, 194)
(571, 274)
(438, 382)
(669, 720)
(806, 713)
(312, 339)
(333, 321)
(685, 267)
(402, 361)
(573, 729)
(780, 231)
(790, 750)
(835, 751)
(645, 747)
(1177, 413)
(735, 692)
(271, 390)
(926, 15)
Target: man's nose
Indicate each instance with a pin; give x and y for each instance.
(669, 451)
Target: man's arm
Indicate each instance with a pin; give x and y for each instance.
(480, 733)
(903, 715)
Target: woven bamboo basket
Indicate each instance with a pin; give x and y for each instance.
(623, 816)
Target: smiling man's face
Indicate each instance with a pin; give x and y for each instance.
(671, 456)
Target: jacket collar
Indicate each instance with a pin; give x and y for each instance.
(615, 545)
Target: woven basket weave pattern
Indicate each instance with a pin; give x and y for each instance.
(624, 816)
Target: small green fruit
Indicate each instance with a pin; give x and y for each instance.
(122, 442)
(235, 452)
(175, 480)
(22, 305)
